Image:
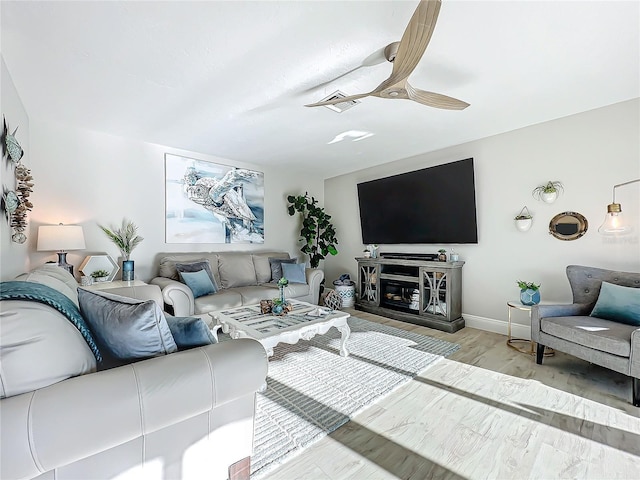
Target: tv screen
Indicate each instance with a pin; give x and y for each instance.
(433, 205)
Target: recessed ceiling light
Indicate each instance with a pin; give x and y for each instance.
(354, 135)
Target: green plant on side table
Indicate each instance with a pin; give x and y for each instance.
(317, 231)
(126, 238)
(529, 293)
(100, 275)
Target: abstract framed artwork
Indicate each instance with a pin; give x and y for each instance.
(212, 203)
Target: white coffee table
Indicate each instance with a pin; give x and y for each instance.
(269, 330)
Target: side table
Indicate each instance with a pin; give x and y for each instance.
(114, 284)
(512, 342)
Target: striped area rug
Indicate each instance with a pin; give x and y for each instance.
(312, 390)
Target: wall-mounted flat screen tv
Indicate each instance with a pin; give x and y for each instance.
(435, 205)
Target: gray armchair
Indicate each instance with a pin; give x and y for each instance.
(570, 329)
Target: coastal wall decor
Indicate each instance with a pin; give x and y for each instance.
(15, 198)
(212, 203)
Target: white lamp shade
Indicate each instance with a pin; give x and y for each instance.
(60, 237)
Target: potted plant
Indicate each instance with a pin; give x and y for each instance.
(366, 253)
(126, 238)
(549, 191)
(529, 293)
(100, 275)
(442, 255)
(523, 220)
(318, 233)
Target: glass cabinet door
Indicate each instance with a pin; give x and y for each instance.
(434, 292)
(368, 282)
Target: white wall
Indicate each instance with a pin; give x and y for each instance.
(588, 152)
(85, 178)
(14, 259)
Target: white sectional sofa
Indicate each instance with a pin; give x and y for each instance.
(186, 415)
(244, 278)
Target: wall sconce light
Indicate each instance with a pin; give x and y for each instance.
(61, 238)
(613, 221)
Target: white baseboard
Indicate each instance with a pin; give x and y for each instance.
(497, 326)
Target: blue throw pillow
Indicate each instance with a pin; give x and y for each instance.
(294, 272)
(125, 328)
(199, 283)
(618, 303)
(196, 266)
(276, 267)
(190, 332)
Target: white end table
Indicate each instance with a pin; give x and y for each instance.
(512, 342)
(114, 284)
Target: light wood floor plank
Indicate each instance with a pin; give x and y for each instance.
(486, 411)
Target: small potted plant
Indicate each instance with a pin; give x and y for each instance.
(529, 293)
(523, 220)
(549, 191)
(126, 238)
(366, 253)
(442, 255)
(100, 275)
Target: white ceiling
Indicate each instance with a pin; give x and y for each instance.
(230, 78)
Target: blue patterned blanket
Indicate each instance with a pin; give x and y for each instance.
(37, 292)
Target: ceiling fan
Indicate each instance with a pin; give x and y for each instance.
(405, 58)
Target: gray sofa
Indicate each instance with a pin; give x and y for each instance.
(244, 278)
(187, 415)
(570, 329)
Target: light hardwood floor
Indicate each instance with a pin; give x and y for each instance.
(486, 411)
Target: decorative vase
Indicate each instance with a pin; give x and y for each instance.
(281, 288)
(549, 197)
(523, 224)
(127, 271)
(529, 296)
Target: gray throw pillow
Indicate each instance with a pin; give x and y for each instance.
(276, 267)
(126, 328)
(190, 332)
(190, 267)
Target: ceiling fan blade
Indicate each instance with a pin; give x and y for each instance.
(435, 100)
(338, 100)
(376, 58)
(416, 37)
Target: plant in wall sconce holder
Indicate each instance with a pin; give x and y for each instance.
(524, 219)
(549, 191)
(529, 293)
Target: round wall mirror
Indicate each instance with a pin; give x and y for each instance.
(568, 226)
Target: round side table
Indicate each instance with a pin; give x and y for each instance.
(513, 342)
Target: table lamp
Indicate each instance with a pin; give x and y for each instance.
(61, 238)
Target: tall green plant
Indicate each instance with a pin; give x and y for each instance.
(317, 230)
(126, 237)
